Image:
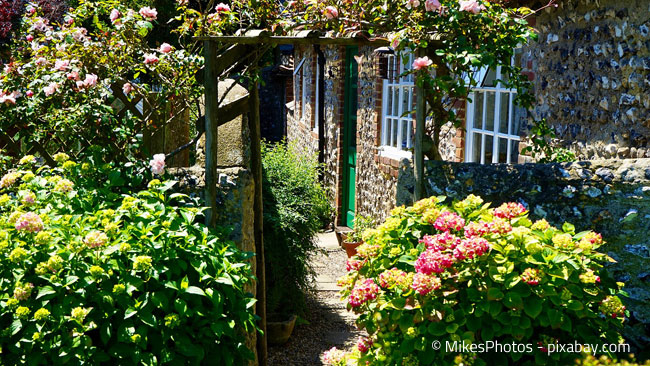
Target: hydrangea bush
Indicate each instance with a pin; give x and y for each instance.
(470, 273)
(88, 276)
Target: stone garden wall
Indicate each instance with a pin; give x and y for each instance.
(608, 196)
(592, 73)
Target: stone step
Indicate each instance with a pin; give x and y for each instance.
(332, 303)
(323, 277)
(341, 338)
(341, 316)
(327, 286)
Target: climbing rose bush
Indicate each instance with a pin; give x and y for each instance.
(88, 276)
(470, 273)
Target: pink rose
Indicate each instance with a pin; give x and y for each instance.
(89, 81)
(221, 7)
(29, 93)
(73, 75)
(41, 61)
(157, 164)
(8, 98)
(330, 12)
(29, 38)
(51, 89)
(31, 10)
(432, 5)
(69, 20)
(79, 34)
(150, 58)
(182, 2)
(61, 65)
(412, 4)
(472, 6)
(115, 16)
(127, 88)
(148, 13)
(165, 48)
(421, 63)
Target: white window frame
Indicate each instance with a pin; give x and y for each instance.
(393, 141)
(298, 74)
(317, 97)
(480, 131)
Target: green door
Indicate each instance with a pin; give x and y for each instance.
(350, 136)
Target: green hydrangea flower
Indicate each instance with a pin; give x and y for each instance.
(18, 255)
(41, 314)
(119, 289)
(172, 321)
(79, 313)
(142, 263)
(22, 312)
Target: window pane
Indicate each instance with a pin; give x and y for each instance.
(405, 100)
(489, 144)
(389, 101)
(490, 78)
(476, 148)
(518, 119)
(395, 102)
(504, 116)
(478, 110)
(394, 129)
(503, 150)
(404, 125)
(489, 108)
(514, 152)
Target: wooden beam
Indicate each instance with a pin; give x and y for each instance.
(418, 156)
(233, 54)
(256, 168)
(275, 40)
(211, 129)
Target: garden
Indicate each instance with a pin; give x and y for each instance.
(107, 256)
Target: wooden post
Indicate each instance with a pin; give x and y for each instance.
(256, 167)
(420, 117)
(211, 128)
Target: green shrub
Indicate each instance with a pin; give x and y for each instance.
(90, 277)
(472, 274)
(294, 207)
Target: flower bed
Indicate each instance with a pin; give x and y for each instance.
(471, 274)
(90, 276)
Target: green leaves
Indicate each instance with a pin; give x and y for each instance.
(533, 306)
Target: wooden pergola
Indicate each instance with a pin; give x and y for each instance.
(217, 64)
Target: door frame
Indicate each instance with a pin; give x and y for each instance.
(349, 183)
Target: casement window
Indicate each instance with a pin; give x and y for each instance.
(493, 121)
(300, 88)
(398, 99)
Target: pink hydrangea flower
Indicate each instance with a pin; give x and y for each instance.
(23, 292)
(392, 277)
(79, 34)
(115, 16)
(472, 6)
(331, 12)
(423, 284)
(531, 276)
(29, 222)
(421, 63)
(148, 13)
(432, 261)
(95, 239)
(412, 4)
(364, 344)
(61, 65)
(509, 210)
(221, 7)
(363, 292)
(165, 48)
(51, 89)
(476, 229)
(127, 88)
(440, 242)
(432, 5)
(471, 248)
(354, 264)
(157, 164)
(500, 226)
(150, 58)
(449, 221)
(333, 356)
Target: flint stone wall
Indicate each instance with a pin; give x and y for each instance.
(592, 73)
(611, 197)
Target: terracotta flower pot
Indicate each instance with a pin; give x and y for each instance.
(278, 332)
(351, 248)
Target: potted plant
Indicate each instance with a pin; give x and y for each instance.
(354, 238)
(279, 328)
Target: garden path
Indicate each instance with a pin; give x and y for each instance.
(330, 324)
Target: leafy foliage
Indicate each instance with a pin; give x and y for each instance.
(90, 276)
(469, 273)
(361, 224)
(543, 148)
(294, 207)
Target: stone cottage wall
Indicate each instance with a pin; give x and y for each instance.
(608, 196)
(300, 123)
(592, 73)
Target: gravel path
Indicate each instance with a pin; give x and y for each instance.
(330, 324)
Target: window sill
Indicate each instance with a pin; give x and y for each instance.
(394, 153)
